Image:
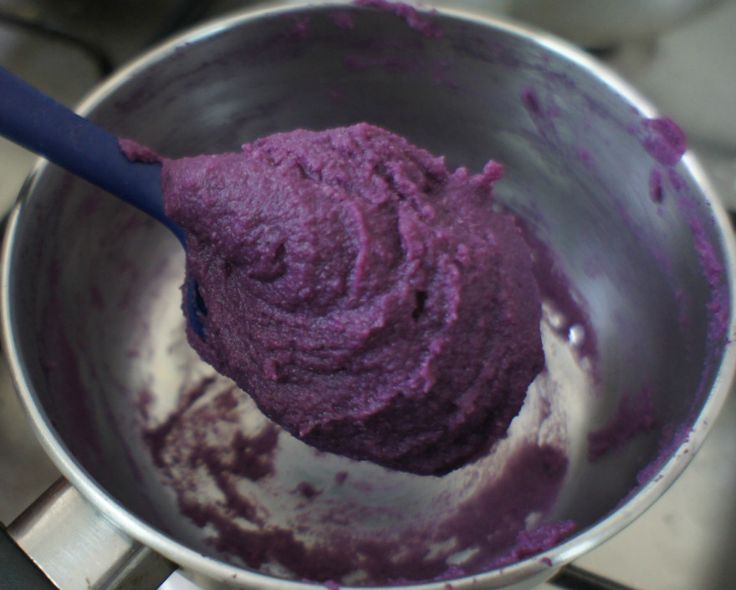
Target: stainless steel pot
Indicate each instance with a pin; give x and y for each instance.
(94, 335)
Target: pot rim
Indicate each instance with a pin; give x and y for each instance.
(537, 565)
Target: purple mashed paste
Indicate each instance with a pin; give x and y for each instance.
(343, 19)
(656, 189)
(351, 281)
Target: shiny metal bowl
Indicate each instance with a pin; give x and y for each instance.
(95, 338)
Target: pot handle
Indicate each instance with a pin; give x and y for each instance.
(18, 569)
(571, 577)
(62, 541)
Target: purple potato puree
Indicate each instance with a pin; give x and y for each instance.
(370, 300)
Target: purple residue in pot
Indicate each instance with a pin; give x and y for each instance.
(713, 269)
(540, 112)
(675, 436)
(492, 524)
(535, 541)
(671, 440)
(419, 21)
(664, 140)
(195, 436)
(530, 100)
(307, 490)
(666, 143)
(711, 261)
(634, 415)
(157, 437)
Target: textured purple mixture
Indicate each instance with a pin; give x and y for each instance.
(370, 300)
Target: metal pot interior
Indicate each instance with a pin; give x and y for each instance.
(94, 301)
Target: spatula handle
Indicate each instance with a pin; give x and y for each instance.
(40, 124)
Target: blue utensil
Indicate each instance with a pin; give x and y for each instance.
(42, 125)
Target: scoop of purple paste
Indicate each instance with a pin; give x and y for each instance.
(368, 299)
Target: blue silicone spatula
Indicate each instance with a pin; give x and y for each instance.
(42, 125)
